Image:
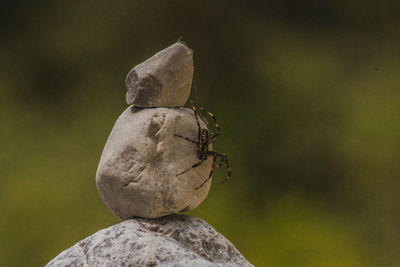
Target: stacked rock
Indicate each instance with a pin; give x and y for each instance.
(140, 170)
(147, 170)
(175, 240)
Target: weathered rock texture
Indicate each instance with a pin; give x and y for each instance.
(164, 80)
(175, 240)
(138, 170)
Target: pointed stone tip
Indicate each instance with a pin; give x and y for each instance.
(164, 80)
(183, 45)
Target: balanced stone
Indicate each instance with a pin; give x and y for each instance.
(175, 240)
(164, 80)
(139, 173)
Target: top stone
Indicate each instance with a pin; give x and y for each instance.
(164, 80)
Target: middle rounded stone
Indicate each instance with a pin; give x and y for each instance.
(139, 170)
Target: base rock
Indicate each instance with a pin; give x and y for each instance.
(175, 240)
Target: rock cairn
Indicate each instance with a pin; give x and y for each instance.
(137, 173)
(140, 175)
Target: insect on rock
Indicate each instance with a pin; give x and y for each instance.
(204, 142)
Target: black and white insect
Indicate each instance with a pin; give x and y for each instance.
(204, 142)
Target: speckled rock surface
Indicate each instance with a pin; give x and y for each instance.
(175, 240)
(164, 80)
(138, 170)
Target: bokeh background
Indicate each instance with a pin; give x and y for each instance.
(307, 94)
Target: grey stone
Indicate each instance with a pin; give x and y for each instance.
(138, 170)
(175, 240)
(164, 80)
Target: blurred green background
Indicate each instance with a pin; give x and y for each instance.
(307, 94)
